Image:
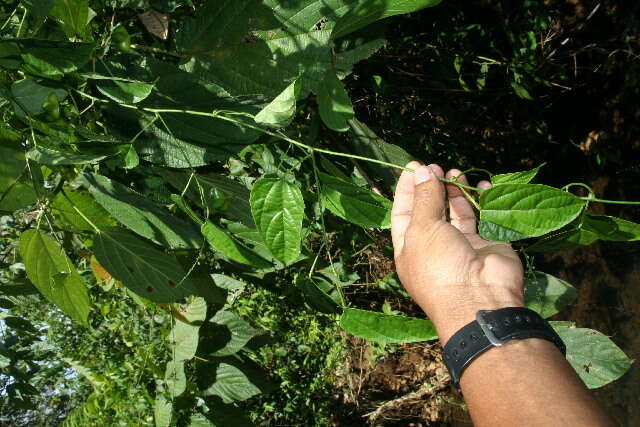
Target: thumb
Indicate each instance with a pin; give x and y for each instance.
(429, 198)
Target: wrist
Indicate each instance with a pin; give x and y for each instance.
(459, 310)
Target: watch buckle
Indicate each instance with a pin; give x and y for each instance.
(486, 327)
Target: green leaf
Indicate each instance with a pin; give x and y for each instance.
(523, 177)
(611, 228)
(546, 294)
(162, 412)
(222, 23)
(183, 339)
(529, 209)
(317, 298)
(366, 143)
(55, 157)
(228, 334)
(591, 229)
(224, 243)
(300, 16)
(175, 379)
(158, 146)
(495, 232)
(38, 11)
(596, 359)
(278, 209)
(355, 204)
(73, 16)
(280, 111)
(50, 59)
(125, 92)
(142, 268)
(67, 218)
(52, 272)
(141, 215)
(369, 11)
(234, 383)
(384, 328)
(236, 193)
(16, 192)
(334, 103)
(29, 96)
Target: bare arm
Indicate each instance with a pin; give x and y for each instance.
(451, 272)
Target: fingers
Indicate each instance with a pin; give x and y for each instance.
(428, 199)
(462, 214)
(402, 206)
(485, 185)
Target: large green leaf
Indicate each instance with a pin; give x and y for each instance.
(369, 11)
(236, 382)
(55, 276)
(280, 111)
(38, 11)
(236, 193)
(546, 294)
(227, 333)
(174, 378)
(15, 189)
(125, 92)
(66, 216)
(588, 231)
(29, 96)
(158, 146)
(523, 177)
(162, 412)
(303, 15)
(385, 328)
(228, 246)
(50, 59)
(355, 204)
(141, 215)
(596, 359)
(366, 143)
(73, 15)
(529, 209)
(141, 267)
(57, 156)
(491, 231)
(222, 23)
(334, 104)
(278, 209)
(183, 339)
(317, 298)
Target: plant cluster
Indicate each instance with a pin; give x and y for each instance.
(154, 166)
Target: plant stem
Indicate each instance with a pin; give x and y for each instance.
(613, 202)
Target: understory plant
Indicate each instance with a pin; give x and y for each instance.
(172, 158)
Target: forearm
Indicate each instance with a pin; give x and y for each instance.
(528, 383)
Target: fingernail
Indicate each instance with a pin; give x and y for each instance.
(423, 174)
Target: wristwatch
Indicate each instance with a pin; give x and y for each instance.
(493, 328)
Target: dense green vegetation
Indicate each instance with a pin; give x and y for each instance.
(193, 192)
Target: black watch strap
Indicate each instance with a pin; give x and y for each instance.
(493, 328)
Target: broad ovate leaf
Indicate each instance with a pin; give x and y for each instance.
(277, 207)
(355, 204)
(125, 92)
(280, 111)
(236, 382)
(523, 177)
(55, 276)
(227, 333)
(546, 294)
(73, 16)
(530, 210)
(227, 245)
(596, 359)
(368, 11)
(141, 215)
(385, 328)
(174, 378)
(334, 103)
(142, 268)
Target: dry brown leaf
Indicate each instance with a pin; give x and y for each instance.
(156, 23)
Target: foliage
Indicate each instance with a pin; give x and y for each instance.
(140, 160)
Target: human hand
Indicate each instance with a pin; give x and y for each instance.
(446, 267)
